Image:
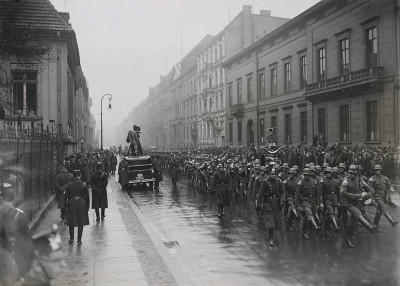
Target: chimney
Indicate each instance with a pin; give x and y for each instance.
(266, 13)
(65, 16)
(247, 9)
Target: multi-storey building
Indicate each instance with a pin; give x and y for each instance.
(332, 71)
(42, 84)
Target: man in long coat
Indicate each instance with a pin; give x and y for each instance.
(62, 179)
(133, 139)
(99, 184)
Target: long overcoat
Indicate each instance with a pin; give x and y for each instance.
(268, 199)
(99, 184)
(62, 180)
(78, 201)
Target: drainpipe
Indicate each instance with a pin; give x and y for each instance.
(257, 103)
(396, 4)
(58, 80)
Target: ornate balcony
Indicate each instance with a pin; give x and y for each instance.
(237, 110)
(365, 79)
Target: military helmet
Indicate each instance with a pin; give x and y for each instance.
(285, 165)
(312, 164)
(292, 171)
(263, 168)
(277, 166)
(328, 169)
(352, 169)
(318, 168)
(306, 171)
(342, 165)
(335, 170)
(271, 164)
(312, 168)
(377, 167)
(325, 165)
(307, 166)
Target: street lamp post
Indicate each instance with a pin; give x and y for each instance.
(101, 115)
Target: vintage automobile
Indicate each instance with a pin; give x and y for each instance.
(140, 170)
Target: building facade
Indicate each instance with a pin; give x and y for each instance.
(332, 71)
(45, 88)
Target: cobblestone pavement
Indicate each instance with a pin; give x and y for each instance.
(117, 251)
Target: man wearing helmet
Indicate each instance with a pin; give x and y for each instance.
(350, 192)
(290, 198)
(268, 199)
(330, 194)
(381, 186)
(309, 200)
(258, 181)
(221, 183)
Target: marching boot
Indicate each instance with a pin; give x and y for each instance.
(349, 234)
(271, 236)
(367, 225)
(317, 228)
(289, 222)
(391, 220)
(376, 222)
(337, 228)
(304, 229)
(327, 232)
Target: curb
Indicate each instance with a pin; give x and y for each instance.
(176, 271)
(40, 215)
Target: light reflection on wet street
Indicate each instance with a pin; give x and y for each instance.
(233, 250)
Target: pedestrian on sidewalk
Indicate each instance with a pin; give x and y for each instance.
(78, 202)
(62, 179)
(99, 184)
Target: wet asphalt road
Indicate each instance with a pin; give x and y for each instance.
(233, 250)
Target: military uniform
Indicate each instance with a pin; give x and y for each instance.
(62, 180)
(290, 199)
(330, 195)
(221, 184)
(99, 184)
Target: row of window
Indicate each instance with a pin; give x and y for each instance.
(371, 59)
(371, 115)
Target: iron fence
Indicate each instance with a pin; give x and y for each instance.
(28, 163)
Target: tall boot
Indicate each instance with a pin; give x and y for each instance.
(367, 225)
(337, 228)
(290, 221)
(71, 235)
(390, 219)
(305, 228)
(80, 231)
(315, 224)
(327, 232)
(349, 234)
(345, 219)
(271, 236)
(376, 221)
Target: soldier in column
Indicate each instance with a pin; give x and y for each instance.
(221, 184)
(99, 184)
(381, 186)
(243, 178)
(309, 200)
(330, 195)
(351, 195)
(268, 200)
(258, 181)
(290, 198)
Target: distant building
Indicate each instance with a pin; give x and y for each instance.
(332, 71)
(46, 87)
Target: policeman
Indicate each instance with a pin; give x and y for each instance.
(330, 193)
(268, 199)
(221, 184)
(290, 198)
(309, 200)
(62, 179)
(78, 202)
(350, 192)
(381, 186)
(99, 184)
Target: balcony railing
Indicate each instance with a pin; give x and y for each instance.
(354, 77)
(237, 110)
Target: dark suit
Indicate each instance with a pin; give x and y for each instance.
(99, 184)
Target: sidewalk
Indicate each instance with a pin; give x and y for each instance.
(121, 250)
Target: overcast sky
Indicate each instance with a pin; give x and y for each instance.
(125, 45)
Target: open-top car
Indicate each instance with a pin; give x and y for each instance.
(140, 170)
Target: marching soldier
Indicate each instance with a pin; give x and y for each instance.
(221, 184)
(258, 181)
(381, 186)
(330, 193)
(62, 179)
(99, 184)
(255, 173)
(290, 198)
(309, 200)
(268, 199)
(243, 178)
(350, 192)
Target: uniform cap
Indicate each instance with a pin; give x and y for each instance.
(307, 166)
(335, 169)
(318, 167)
(306, 171)
(273, 171)
(285, 165)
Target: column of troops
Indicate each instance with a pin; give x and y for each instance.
(329, 197)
